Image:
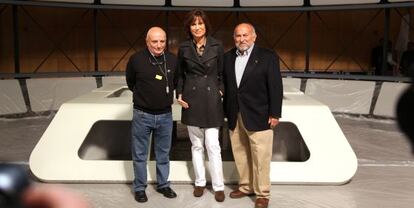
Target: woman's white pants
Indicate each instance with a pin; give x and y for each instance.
(209, 137)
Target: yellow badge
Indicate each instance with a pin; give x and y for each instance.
(159, 77)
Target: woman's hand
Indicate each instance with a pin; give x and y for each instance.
(182, 102)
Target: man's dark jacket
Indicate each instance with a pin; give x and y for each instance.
(260, 92)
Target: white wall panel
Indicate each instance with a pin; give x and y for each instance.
(73, 1)
(11, 98)
(388, 98)
(208, 3)
(50, 93)
(292, 82)
(135, 2)
(261, 3)
(338, 2)
(113, 80)
(343, 96)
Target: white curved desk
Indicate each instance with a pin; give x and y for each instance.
(55, 158)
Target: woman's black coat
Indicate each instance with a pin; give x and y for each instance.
(199, 80)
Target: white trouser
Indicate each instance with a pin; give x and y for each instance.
(209, 136)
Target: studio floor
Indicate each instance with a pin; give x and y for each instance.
(385, 175)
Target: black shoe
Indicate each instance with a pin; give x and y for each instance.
(167, 192)
(140, 196)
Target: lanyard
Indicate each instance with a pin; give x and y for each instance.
(163, 70)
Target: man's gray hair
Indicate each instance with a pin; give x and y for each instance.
(245, 23)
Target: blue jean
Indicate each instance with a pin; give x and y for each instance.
(143, 124)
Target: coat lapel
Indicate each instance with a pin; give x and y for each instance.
(190, 53)
(232, 68)
(251, 63)
(208, 52)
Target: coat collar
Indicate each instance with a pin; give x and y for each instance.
(210, 42)
(208, 53)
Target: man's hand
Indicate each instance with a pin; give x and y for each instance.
(273, 122)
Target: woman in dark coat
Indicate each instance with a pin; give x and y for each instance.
(199, 90)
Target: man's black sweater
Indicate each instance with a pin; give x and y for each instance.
(145, 77)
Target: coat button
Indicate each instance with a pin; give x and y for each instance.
(194, 88)
(208, 88)
(208, 65)
(205, 76)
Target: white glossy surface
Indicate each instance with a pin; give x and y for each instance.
(332, 160)
(11, 98)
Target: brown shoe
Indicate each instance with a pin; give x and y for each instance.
(238, 194)
(198, 191)
(261, 203)
(219, 196)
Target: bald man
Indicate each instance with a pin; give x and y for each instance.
(149, 75)
(253, 106)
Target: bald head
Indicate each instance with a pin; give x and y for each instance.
(244, 36)
(245, 26)
(156, 40)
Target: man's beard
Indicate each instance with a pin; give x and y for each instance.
(243, 47)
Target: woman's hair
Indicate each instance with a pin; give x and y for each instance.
(191, 17)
